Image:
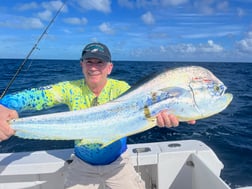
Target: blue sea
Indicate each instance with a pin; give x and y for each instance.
(228, 133)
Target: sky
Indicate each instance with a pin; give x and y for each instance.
(142, 30)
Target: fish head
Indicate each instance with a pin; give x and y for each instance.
(190, 93)
(208, 93)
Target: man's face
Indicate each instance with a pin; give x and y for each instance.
(96, 70)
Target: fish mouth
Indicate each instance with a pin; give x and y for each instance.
(224, 88)
(229, 98)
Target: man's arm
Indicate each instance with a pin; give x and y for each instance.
(32, 99)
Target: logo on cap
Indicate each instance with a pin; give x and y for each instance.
(95, 48)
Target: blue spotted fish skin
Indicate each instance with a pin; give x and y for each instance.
(190, 93)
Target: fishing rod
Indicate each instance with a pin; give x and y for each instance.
(31, 51)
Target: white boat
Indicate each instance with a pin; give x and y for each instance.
(189, 164)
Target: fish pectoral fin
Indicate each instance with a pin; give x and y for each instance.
(173, 91)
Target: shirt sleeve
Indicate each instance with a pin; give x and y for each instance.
(35, 98)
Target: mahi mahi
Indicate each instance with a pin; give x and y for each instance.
(190, 93)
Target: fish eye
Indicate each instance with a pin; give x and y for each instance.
(216, 88)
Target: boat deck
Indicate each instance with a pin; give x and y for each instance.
(186, 164)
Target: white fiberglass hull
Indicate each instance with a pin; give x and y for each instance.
(175, 165)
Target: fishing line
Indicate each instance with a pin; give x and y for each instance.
(30, 62)
(29, 66)
(31, 51)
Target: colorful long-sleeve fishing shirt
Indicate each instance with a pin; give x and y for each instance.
(76, 95)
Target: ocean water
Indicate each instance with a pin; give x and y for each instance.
(228, 133)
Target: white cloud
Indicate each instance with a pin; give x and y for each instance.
(179, 49)
(210, 47)
(187, 48)
(150, 4)
(204, 7)
(240, 12)
(22, 23)
(209, 7)
(222, 6)
(45, 15)
(67, 31)
(76, 21)
(49, 8)
(99, 5)
(27, 6)
(148, 18)
(162, 49)
(48, 5)
(32, 23)
(172, 2)
(106, 28)
(54, 6)
(126, 3)
(231, 31)
(245, 45)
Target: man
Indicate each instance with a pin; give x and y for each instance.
(92, 166)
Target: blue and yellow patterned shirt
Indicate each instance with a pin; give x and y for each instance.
(76, 95)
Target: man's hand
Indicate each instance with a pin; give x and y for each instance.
(169, 120)
(5, 116)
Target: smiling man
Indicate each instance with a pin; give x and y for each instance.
(92, 166)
